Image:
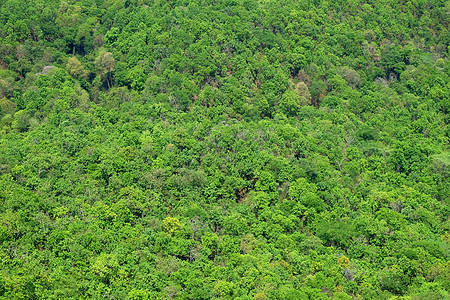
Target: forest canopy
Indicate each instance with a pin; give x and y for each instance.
(224, 149)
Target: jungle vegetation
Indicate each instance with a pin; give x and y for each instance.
(224, 149)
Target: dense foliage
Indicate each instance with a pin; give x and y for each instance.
(224, 149)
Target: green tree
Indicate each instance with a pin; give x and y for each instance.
(104, 66)
(171, 225)
(75, 68)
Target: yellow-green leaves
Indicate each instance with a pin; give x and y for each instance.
(343, 261)
(104, 264)
(171, 225)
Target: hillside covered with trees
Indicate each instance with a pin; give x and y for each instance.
(224, 149)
